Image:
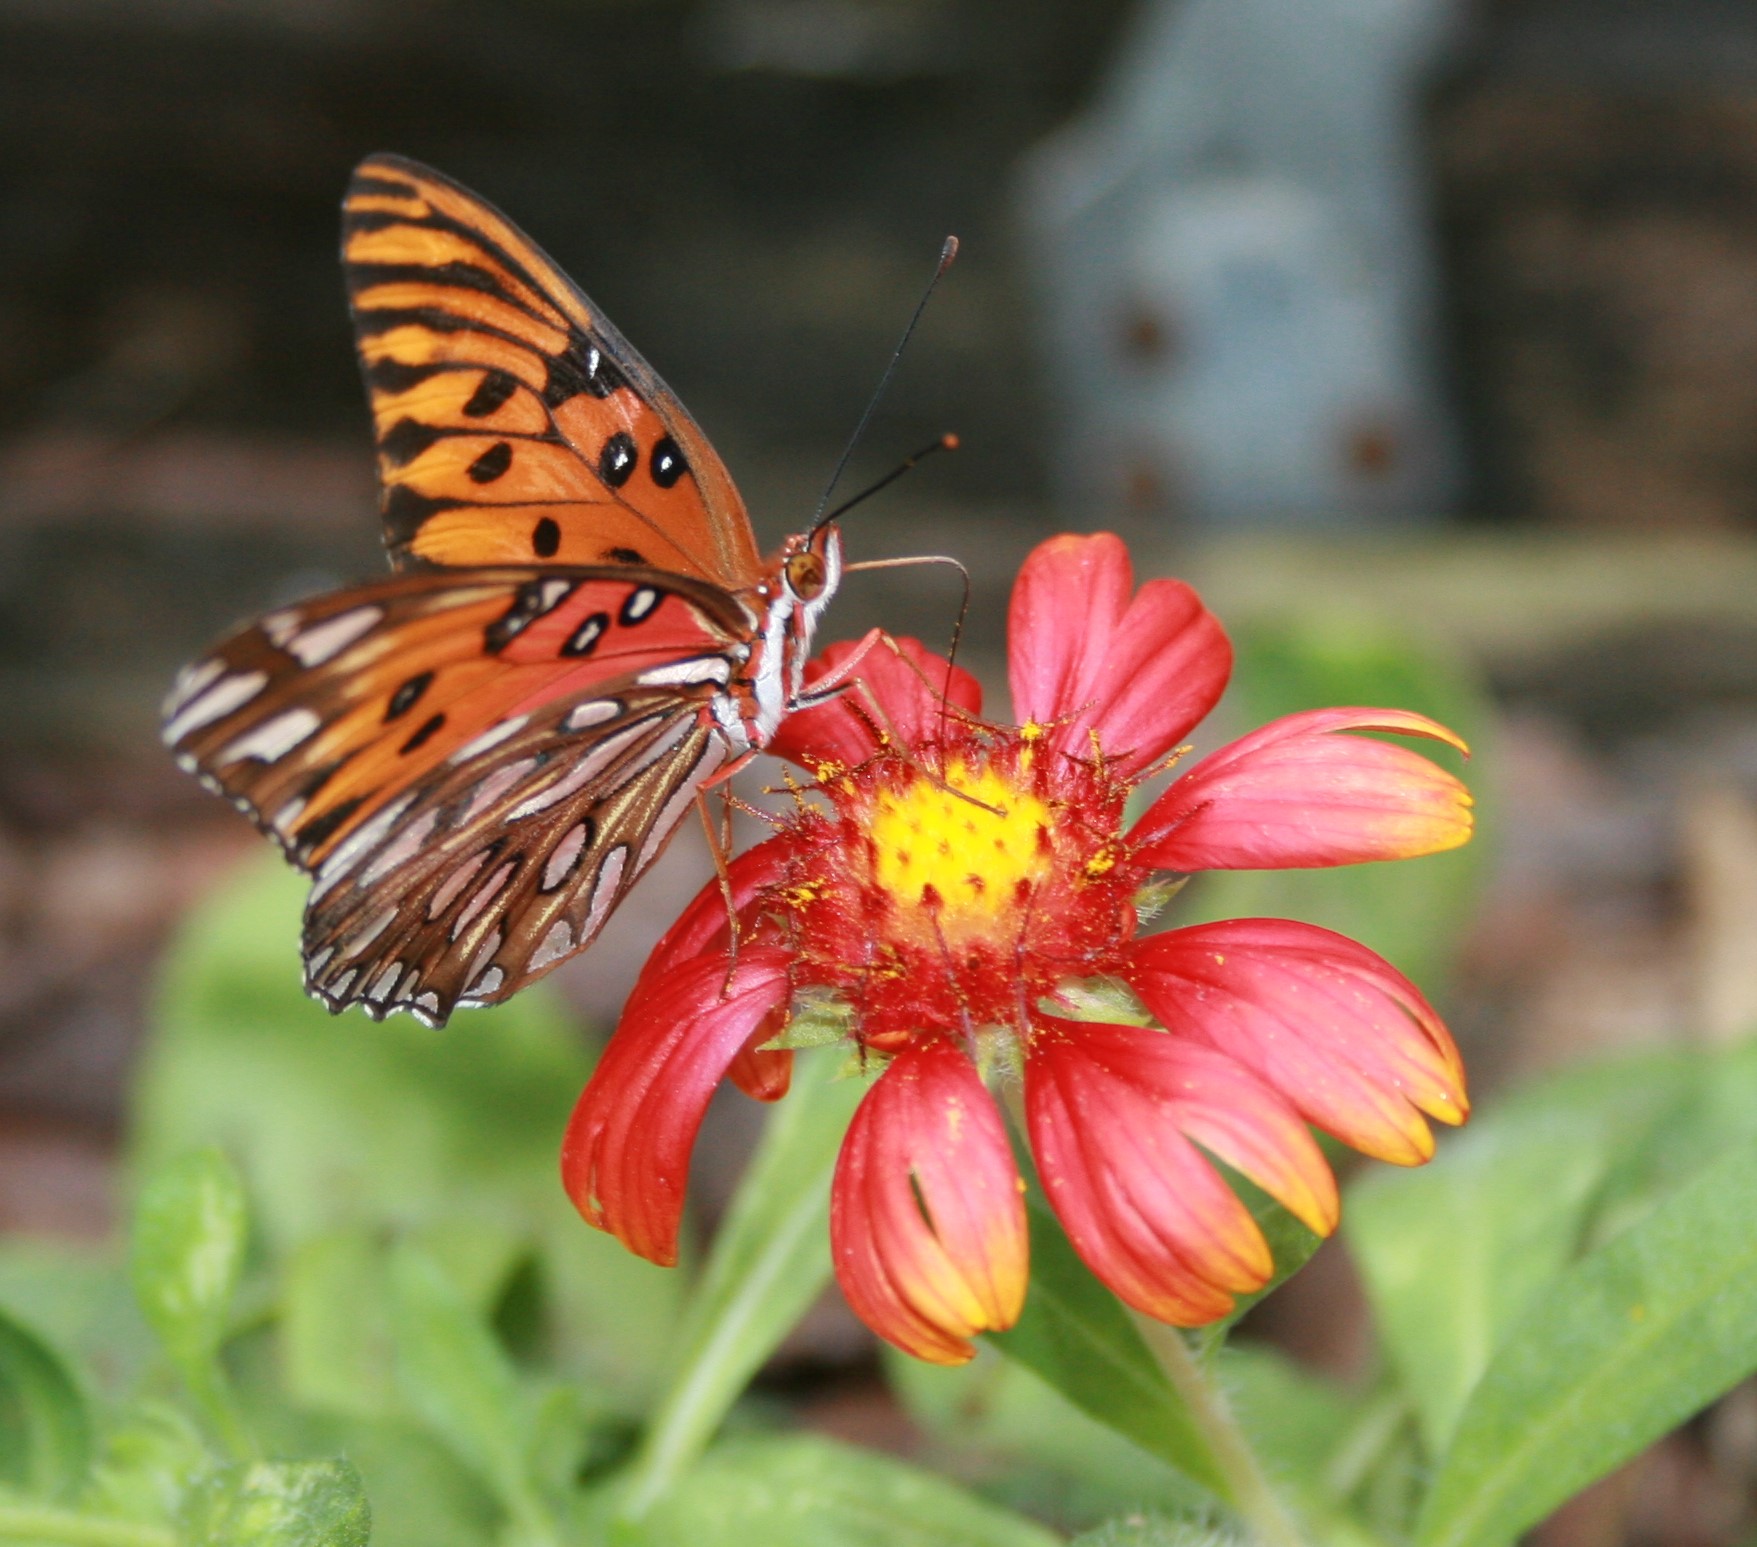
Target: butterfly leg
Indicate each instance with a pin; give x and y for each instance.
(834, 683)
(720, 846)
(883, 727)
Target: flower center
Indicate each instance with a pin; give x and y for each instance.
(967, 859)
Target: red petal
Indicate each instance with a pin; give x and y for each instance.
(927, 1218)
(702, 926)
(625, 1160)
(1141, 673)
(1295, 794)
(1112, 1112)
(1338, 1031)
(762, 1073)
(906, 681)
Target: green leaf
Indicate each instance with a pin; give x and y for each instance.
(1413, 912)
(150, 1461)
(190, 1227)
(45, 1432)
(1155, 1531)
(1453, 1253)
(1033, 1449)
(454, 1375)
(771, 1259)
(808, 1492)
(1075, 1335)
(338, 1123)
(335, 1325)
(1627, 1343)
(1293, 1418)
(421, 1496)
(279, 1504)
(80, 1299)
(1290, 1243)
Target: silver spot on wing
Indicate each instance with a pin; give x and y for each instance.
(216, 703)
(564, 857)
(490, 738)
(554, 945)
(326, 640)
(273, 739)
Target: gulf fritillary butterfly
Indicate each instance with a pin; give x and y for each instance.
(476, 758)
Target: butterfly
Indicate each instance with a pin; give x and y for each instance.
(477, 757)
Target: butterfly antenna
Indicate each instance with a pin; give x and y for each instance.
(947, 442)
(947, 253)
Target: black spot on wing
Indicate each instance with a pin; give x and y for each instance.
(395, 376)
(666, 464)
(582, 368)
(405, 440)
(320, 829)
(407, 696)
(429, 729)
(492, 464)
(546, 538)
(617, 459)
(586, 636)
(624, 556)
(491, 393)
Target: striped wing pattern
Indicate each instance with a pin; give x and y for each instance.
(473, 767)
(515, 424)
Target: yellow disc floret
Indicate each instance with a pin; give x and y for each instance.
(960, 849)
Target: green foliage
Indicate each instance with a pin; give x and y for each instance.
(1078, 1338)
(1155, 1531)
(45, 1430)
(338, 1124)
(1628, 1342)
(804, 1492)
(190, 1227)
(349, 1242)
(279, 1504)
(771, 1259)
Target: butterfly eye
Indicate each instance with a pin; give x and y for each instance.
(806, 576)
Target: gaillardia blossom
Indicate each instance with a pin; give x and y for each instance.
(953, 884)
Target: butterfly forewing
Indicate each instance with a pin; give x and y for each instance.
(515, 424)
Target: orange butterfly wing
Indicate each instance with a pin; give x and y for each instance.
(470, 765)
(515, 424)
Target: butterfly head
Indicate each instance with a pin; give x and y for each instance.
(801, 581)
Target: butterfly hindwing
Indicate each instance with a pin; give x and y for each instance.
(476, 883)
(515, 424)
(390, 736)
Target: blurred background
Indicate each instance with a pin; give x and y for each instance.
(1421, 334)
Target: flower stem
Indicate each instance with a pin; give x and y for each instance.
(1249, 1492)
(41, 1523)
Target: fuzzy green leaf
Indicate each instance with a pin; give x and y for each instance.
(45, 1431)
(1075, 1335)
(190, 1227)
(279, 1504)
(808, 1492)
(1624, 1345)
(770, 1260)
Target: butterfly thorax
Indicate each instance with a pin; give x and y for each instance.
(789, 600)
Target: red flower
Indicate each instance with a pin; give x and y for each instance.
(953, 882)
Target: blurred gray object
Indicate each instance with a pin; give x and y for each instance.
(1232, 254)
